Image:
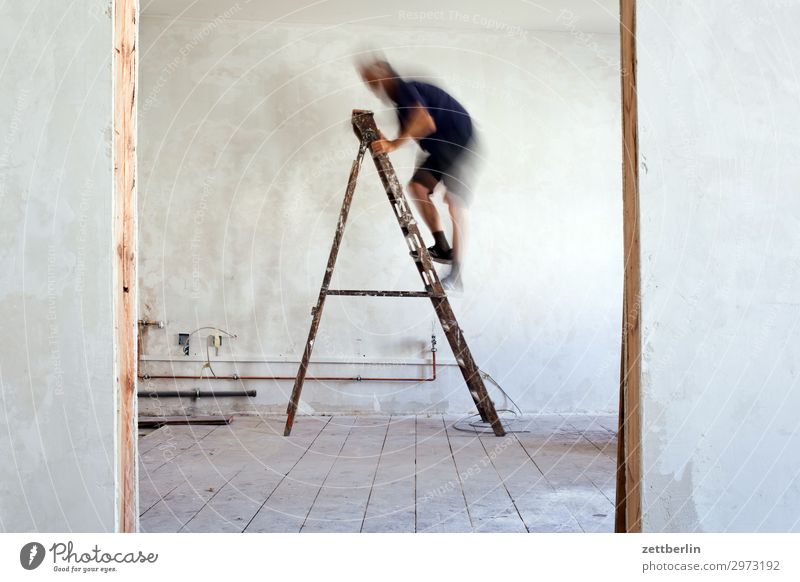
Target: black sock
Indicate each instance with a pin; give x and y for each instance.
(440, 242)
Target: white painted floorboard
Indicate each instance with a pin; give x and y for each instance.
(379, 474)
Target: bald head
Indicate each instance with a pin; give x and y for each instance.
(379, 76)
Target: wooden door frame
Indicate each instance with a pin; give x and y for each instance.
(628, 497)
(628, 516)
(125, 67)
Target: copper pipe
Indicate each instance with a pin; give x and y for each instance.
(431, 378)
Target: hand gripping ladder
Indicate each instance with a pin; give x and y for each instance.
(367, 132)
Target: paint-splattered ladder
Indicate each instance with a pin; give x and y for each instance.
(367, 132)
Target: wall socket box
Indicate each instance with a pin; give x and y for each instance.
(183, 340)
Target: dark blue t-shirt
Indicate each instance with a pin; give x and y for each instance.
(453, 124)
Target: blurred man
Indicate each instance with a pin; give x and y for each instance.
(443, 129)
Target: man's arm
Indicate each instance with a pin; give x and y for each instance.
(419, 124)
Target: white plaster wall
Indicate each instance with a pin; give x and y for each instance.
(56, 377)
(245, 149)
(719, 90)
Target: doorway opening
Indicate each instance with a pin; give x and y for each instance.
(242, 150)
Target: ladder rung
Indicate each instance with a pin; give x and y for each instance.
(373, 293)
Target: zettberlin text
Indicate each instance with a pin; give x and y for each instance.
(667, 549)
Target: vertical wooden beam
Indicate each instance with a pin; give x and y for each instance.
(628, 516)
(125, 328)
(620, 525)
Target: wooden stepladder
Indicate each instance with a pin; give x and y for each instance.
(367, 132)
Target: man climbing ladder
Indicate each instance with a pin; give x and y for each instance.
(443, 129)
(367, 133)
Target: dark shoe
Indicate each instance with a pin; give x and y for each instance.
(436, 255)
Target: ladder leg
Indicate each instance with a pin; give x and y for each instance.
(367, 131)
(466, 364)
(301, 372)
(462, 354)
(294, 401)
(405, 218)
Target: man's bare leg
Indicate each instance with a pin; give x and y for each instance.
(420, 194)
(459, 217)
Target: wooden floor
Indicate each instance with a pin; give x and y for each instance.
(379, 474)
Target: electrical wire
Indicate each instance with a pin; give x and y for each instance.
(208, 356)
(481, 427)
(208, 362)
(227, 333)
(487, 376)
